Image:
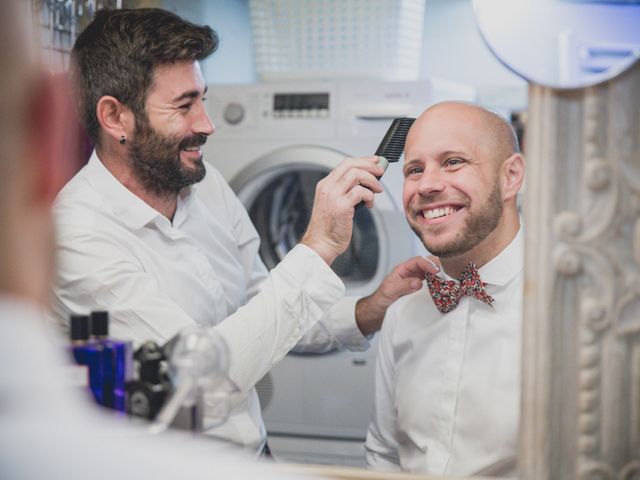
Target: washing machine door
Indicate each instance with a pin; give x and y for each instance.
(278, 191)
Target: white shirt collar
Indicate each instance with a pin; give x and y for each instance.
(134, 212)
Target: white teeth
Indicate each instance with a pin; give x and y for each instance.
(438, 212)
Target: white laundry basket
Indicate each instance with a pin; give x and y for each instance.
(314, 39)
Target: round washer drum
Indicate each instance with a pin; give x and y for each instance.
(281, 211)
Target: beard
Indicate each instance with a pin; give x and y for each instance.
(155, 159)
(478, 225)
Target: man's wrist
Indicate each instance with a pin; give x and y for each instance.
(323, 250)
(368, 318)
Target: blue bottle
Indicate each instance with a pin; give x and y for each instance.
(87, 353)
(117, 362)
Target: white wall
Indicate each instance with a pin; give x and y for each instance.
(454, 49)
(233, 61)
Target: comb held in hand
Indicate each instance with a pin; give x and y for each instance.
(392, 144)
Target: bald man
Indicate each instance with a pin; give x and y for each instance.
(448, 372)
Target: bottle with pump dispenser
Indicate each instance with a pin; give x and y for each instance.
(117, 362)
(88, 353)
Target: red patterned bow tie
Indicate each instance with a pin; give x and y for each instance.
(446, 293)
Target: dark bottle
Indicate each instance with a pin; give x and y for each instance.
(148, 394)
(117, 362)
(88, 353)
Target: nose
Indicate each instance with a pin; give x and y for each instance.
(203, 124)
(431, 181)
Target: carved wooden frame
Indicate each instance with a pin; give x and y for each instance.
(581, 353)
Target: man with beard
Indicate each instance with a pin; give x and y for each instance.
(146, 235)
(48, 428)
(448, 371)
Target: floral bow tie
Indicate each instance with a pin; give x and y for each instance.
(446, 293)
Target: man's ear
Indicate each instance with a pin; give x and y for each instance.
(115, 118)
(512, 176)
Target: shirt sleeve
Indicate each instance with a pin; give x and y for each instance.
(294, 297)
(98, 273)
(382, 443)
(336, 329)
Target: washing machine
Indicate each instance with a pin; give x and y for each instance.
(273, 142)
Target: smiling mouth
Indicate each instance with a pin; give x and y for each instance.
(193, 144)
(432, 213)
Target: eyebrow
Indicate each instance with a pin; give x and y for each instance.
(445, 154)
(190, 95)
(410, 162)
(449, 153)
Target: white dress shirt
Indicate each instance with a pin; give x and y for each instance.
(155, 277)
(49, 429)
(447, 386)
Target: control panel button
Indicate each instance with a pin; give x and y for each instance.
(233, 113)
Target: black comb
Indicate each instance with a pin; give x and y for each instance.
(392, 144)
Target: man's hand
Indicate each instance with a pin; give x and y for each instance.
(404, 279)
(352, 181)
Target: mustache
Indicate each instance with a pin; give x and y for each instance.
(193, 141)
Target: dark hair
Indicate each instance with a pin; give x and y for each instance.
(118, 51)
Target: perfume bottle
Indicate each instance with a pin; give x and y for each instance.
(147, 394)
(117, 362)
(88, 353)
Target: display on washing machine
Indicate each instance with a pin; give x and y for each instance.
(300, 104)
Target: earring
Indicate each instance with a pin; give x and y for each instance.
(122, 140)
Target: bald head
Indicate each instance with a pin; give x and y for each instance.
(493, 134)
